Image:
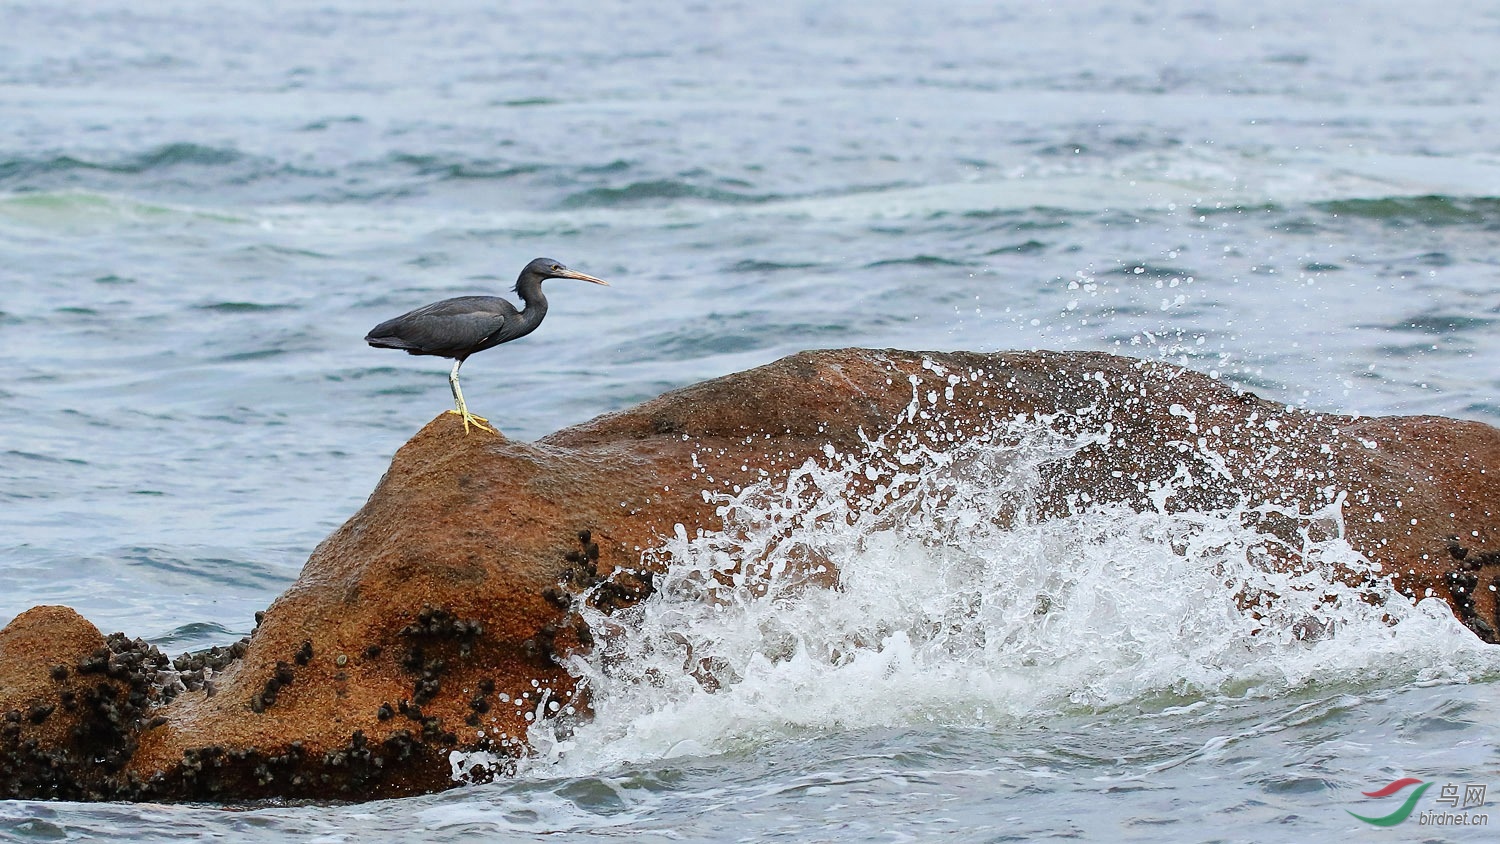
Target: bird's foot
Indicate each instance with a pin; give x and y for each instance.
(477, 421)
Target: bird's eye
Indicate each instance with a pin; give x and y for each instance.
(556, 267)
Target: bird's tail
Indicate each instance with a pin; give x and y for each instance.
(387, 342)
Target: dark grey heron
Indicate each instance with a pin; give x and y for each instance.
(459, 327)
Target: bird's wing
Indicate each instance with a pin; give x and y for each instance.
(450, 328)
(465, 306)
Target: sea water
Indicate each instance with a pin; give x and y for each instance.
(203, 207)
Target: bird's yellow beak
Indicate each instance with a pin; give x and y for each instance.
(567, 273)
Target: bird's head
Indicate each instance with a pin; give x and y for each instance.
(544, 268)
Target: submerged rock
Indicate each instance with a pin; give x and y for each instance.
(426, 636)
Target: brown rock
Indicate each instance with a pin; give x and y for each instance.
(71, 706)
(429, 622)
(435, 618)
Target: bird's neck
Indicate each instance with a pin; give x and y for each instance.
(529, 289)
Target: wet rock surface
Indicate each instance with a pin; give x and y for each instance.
(426, 635)
(73, 704)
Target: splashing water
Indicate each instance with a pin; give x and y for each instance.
(909, 587)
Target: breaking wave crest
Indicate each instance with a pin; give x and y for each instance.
(906, 587)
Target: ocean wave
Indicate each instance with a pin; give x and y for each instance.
(899, 587)
(244, 307)
(1149, 270)
(751, 265)
(24, 169)
(74, 208)
(1027, 247)
(1441, 324)
(457, 168)
(917, 261)
(1430, 210)
(728, 334)
(192, 636)
(656, 191)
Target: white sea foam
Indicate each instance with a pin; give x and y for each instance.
(956, 605)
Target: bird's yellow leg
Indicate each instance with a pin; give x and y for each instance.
(471, 419)
(463, 409)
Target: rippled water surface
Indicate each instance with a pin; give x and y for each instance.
(203, 207)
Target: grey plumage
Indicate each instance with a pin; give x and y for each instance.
(459, 327)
